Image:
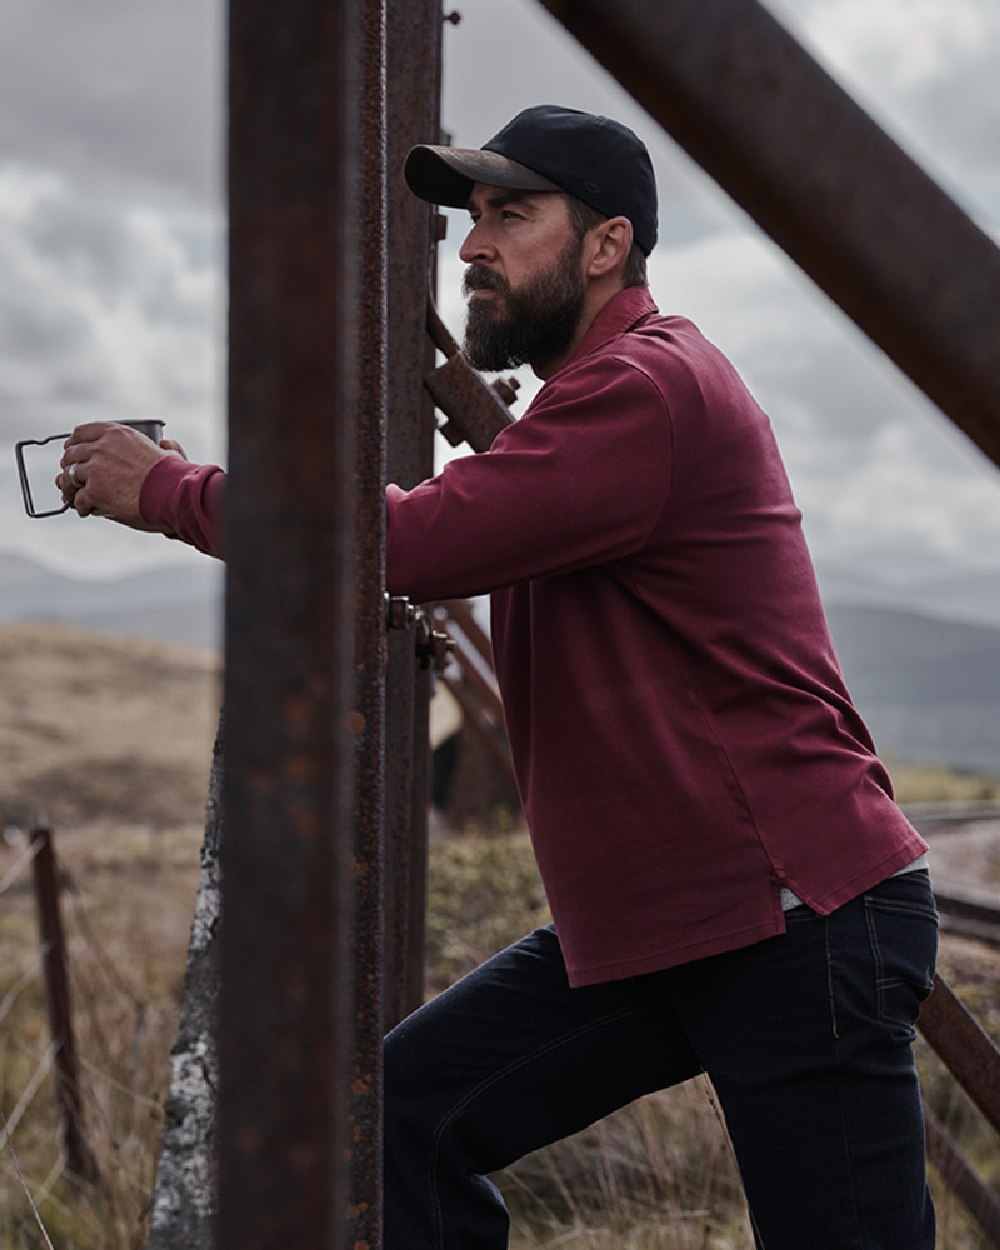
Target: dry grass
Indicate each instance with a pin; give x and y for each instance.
(660, 1175)
(127, 905)
(114, 739)
(93, 727)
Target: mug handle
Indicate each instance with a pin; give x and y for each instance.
(22, 474)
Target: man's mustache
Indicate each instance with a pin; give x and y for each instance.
(478, 278)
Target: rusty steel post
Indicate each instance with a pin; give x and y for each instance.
(744, 99)
(286, 1029)
(79, 1159)
(413, 57)
(364, 1204)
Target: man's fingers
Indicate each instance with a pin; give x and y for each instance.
(69, 481)
(90, 432)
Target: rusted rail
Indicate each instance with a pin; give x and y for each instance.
(750, 105)
(954, 1169)
(471, 680)
(973, 1059)
(967, 1051)
(969, 917)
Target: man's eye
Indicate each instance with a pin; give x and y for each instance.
(509, 212)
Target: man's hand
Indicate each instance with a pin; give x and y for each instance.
(103, 468)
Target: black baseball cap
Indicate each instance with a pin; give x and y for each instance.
(548, 148)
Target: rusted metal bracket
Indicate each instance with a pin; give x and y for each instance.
(399, 612)
(476, 412)
(433, 646)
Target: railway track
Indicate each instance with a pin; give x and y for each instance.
(969, 906)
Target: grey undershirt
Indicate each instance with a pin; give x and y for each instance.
(790, 900)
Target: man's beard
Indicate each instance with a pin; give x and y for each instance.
(532, 326)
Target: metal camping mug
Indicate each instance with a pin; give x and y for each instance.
(152, 430)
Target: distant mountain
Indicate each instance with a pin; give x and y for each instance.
(970, 597)
(928, 688)
(173, 603)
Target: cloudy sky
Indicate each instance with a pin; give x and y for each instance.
(112, 228)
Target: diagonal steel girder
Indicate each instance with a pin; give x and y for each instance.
(750, 105)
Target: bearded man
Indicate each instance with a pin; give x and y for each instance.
(734, 890)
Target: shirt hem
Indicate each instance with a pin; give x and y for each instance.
(622, 970)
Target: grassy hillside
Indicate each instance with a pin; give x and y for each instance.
(92, 726)
(112, 741)
(113, 738)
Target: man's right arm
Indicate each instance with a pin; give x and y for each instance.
(186, 501)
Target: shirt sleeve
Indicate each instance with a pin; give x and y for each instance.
(187, 500)
(580, 480)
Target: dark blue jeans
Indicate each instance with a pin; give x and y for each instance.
(806, 1038)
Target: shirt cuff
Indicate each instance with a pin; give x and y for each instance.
(185, 500)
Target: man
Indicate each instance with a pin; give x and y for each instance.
(733, 888)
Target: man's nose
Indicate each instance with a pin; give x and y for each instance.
(476, 246)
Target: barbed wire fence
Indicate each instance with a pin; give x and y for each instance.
(33, 1058)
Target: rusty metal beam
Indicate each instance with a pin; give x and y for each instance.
(968, 1052)
(286, 1031)
(476, 411)
(460, 611)
(957, 1173)
(479, 722)
(480, 688)
(363, 1215)
(413, 54)
(744, 99)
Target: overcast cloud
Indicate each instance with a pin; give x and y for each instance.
(111, 251)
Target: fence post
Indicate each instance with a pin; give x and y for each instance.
(79, 1159)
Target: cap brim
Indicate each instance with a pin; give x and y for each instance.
(443, 175)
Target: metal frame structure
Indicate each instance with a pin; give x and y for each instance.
(865, 222)
(307, 809)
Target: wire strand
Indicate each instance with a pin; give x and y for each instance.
(7, 1127)
(18, 866)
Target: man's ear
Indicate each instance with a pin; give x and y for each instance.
(612, 242)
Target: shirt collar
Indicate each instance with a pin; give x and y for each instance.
(618, 315)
